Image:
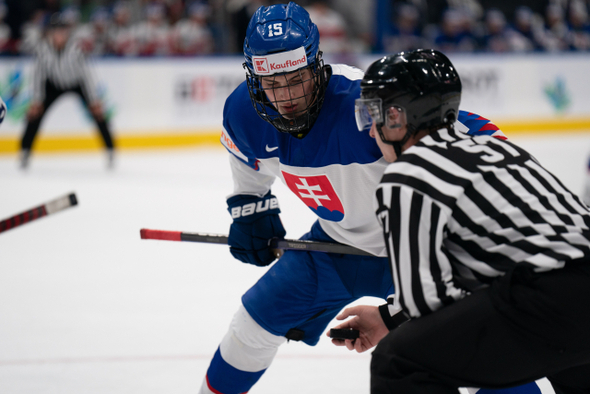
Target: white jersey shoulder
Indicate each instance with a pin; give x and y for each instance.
(461, 127)
(350, 72)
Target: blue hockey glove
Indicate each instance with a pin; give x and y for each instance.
(256, 220)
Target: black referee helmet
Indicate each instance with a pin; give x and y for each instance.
(423, 85)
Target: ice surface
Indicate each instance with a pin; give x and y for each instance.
(88, 307)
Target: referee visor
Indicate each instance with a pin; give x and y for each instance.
(367, 111)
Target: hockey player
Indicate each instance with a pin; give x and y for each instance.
(192, 35)
(490, 253)
(299, 128)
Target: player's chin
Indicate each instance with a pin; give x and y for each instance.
(289, 115)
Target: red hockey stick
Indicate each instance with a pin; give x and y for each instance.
(48, 208)
(274, 243)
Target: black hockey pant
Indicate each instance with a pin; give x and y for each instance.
(51, 94)
(524, 327)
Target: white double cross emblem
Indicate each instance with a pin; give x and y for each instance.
(311, 189)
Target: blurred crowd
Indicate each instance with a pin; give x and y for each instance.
(201, 27)
(470, 26)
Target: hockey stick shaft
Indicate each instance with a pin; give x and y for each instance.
(274, 243)
(48, 208)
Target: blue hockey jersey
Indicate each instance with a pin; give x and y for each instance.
(334, 170)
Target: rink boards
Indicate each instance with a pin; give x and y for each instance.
(179, 102)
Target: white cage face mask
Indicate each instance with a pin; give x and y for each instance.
(292, 95)
(291, 102)
(367, 111)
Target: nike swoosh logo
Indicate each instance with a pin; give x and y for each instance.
(271, 149)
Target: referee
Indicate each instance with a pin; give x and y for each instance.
(490, 253)
(61, 68)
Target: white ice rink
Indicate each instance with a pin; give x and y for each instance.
(88, 307)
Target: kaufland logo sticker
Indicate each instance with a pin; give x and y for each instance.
(280, 62)
(261, 66)
(318, 194)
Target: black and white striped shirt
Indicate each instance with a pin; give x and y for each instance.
(65, 69)
(456, 209)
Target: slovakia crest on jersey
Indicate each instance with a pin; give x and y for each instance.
(318, 194)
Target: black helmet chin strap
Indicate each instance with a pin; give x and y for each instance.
(397, 145)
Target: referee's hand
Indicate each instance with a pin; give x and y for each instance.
(96, 109)
(368, 321)
(34, 110)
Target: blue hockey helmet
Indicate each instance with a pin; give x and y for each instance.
(280, 28)
(281, 40)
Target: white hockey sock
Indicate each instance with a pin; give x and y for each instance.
(246, 347)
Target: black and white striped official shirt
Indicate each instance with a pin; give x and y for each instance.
(456, 208)
(65, 70)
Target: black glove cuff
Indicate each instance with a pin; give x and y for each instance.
(394, 321)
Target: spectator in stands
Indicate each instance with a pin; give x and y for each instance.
(71, 17)
(472, 7)
(93, 37)
(121, 40)
(578, 37)
(152, 35)
(556, 31)
(472, 24)
(360, 21)
(332, 28)
(175, 12)
(32, 32)
(240, 12)
(452, 36)
(162, 30)
(496, 37)
(4, 29)
(405, 34)
(526, 31)
(192, 36)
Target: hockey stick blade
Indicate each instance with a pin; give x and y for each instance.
(274, 243)
(49, 208)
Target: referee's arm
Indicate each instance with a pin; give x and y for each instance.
(422, 272)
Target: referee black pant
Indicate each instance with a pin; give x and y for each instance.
(51, 94)
(524, 327)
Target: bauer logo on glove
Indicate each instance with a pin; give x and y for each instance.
(258, 207)
(256, 221)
